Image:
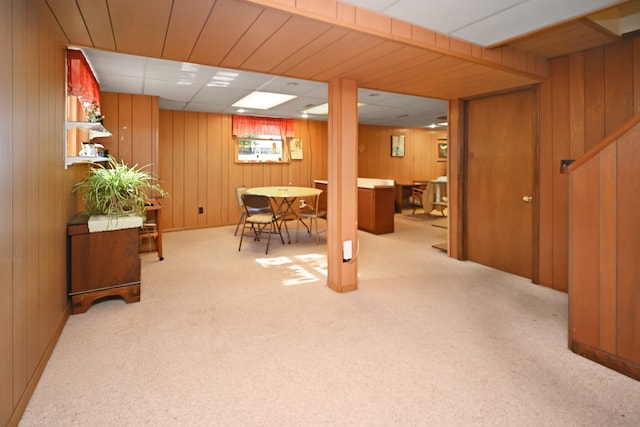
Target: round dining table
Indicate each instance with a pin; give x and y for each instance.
(284, 198)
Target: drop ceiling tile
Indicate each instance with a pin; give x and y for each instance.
(171, 90)
(448, 16)
(104, 62)
(485, 22)
(297, 105)
(205, 107)
(219, 95)
(175, 71)
(165, 104)
(119, 83)
(293, 86)
(526, 17)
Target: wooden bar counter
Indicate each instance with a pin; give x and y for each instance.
(375, 204)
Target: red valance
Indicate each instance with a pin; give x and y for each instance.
(80, 79)
(249, 125)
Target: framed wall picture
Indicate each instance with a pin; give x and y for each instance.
(443, 148)
(295, 145)
(397, 145)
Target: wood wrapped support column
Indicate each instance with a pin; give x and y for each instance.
(342, 209)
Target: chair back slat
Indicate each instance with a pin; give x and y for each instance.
(255, 203)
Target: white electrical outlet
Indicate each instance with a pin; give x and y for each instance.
(347, 250)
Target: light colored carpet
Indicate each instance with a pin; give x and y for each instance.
(228, 338)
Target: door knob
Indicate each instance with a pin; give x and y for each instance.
(527, 199)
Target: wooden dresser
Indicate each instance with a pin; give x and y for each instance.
(101, 264)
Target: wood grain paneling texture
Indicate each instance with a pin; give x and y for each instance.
(36, 188)
(628, 206)
(37, 203)
(420, 162)
(304, 40)
(133, 122)
(588, 95)
(604, 298)
(499, 173)
(566, 38)
(8, 249)
(197, 167)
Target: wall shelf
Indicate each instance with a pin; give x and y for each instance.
(96, 130)
(71, 160)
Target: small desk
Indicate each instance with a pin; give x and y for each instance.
(284, 197)
(439, 199)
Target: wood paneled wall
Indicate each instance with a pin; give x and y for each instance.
(198, 170)
(588, 95)
(35, 189)
(603, 297)
(197, 167)
(133, 122)
(419, 163)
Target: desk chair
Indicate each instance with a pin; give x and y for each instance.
(260, 217)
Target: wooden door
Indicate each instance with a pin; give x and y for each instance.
(501, 138)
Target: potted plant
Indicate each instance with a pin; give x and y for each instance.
(116, 189)
(92, 113)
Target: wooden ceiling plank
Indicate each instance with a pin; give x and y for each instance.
(71, 21)
(368, 61)
(401, 63)
(185, 24)
(281, 45)
(96, 17)
(302, 44)
(391, 74)
(262, 29)
(564, 39)
(341, 50)
(311, 49)
(140, 27)
(483, 82)
(404, 58)
(225, 26)
(431, 74)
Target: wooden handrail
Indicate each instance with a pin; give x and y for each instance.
(609, 139)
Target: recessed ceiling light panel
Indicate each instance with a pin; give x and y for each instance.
(323, 109)
(263, 100)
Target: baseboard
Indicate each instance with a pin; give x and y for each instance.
(609, 360)
(33, 382)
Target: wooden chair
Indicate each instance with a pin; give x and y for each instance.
(151, 228)
(415, 200)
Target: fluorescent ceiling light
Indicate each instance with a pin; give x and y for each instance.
(323, 109)
(263, 100)
(318, 109)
